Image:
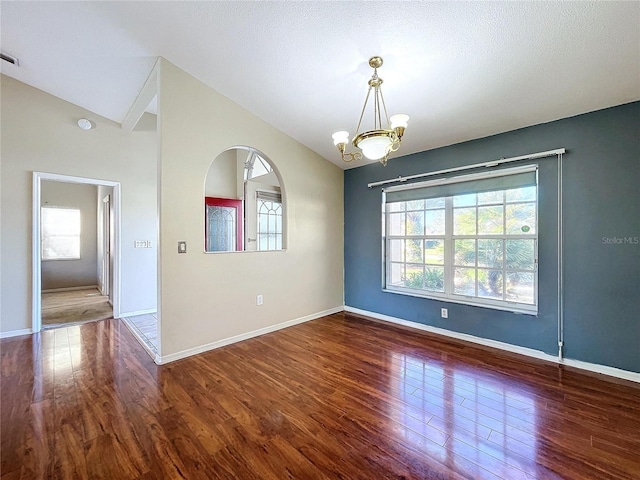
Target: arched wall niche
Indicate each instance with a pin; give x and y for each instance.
(244, 203)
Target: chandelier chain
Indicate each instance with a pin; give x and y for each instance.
(366, 100)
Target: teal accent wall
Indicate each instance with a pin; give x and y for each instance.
(601, 238)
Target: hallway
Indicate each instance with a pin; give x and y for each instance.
(75, 306)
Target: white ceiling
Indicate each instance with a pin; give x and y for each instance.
(460, 70)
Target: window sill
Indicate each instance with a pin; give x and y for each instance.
(513, 308)
(60, 259)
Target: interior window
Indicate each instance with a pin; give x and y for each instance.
(244, 210)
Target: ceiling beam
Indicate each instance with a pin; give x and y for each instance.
(148, 91)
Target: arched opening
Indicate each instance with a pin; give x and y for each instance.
(244, 203)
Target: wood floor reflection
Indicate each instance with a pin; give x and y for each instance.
(338, 397)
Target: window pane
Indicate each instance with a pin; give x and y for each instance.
(435, 202)
(434, 279)
(396, 224)
(519, 254)
(490, 253)
(221, 228)
(415, 223)
(396, 207)
(490, 220)
(490, 284)
(465, 252)
(490, 197)
(397, 274)
(434, 252)
(464, 200)
(61, 248)
(263, 223)
(464, 281)
(60, 233)
(414, 275)
(61, 221)
(414, 251)
(434, 222)
(415, 205)
(464, 221)
(260, 167)
(396, 252)
(520, 287)
(521, 219)
(521, 194)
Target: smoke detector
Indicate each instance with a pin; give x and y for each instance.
(85, 124)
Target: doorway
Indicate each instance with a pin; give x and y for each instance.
(107, 280)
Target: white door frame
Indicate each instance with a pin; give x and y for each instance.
(105, 260)
(36, 290)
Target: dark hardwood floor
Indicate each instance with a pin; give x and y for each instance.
(338, 397)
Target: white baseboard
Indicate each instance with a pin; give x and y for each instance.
(15, 333)
(529, 352)
(69, 289)
(137, 312)
(161, 360)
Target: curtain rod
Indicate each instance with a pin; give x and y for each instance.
(531, 156)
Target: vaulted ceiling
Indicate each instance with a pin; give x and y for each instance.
(461, 70)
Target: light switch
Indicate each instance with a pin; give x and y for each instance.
(182, 247)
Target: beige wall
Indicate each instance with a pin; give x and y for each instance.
(84, 271)
(210, 297)
(222, 176)
(39, 133)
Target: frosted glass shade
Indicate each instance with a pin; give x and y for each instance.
(340, 137)
(374, 148)
(399, 120)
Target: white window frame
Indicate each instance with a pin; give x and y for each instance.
(274, 199)
(449, 238)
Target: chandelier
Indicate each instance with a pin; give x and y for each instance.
(378, 143)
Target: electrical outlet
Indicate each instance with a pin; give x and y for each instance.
(444, 313)
(259, 300)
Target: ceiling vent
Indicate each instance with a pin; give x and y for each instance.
(10, 59)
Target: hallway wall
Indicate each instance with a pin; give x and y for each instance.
(39, 133)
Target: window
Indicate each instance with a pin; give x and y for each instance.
(255, 166)
(223, 224)
(60, 233)
(269, 208)
(470, 239)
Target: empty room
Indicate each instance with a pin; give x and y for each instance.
(320, 240)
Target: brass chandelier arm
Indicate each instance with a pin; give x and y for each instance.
(350, 156)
